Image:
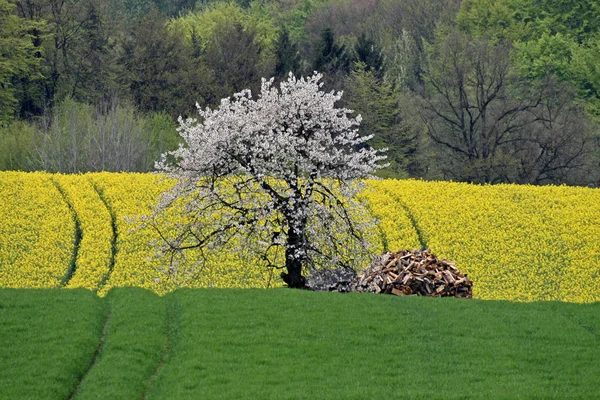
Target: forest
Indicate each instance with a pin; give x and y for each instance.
(482, 91)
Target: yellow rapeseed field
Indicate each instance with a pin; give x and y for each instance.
(520, 243)
(131, 195)
(95, 248)
(36, 232)
(395, 228)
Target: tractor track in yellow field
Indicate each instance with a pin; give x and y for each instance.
(413, 220)
(77, 234)
(113, 224)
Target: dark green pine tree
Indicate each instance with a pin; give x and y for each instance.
(377, 101)
(331, 57)
(368, 53)
(162, 73)
(288, 56)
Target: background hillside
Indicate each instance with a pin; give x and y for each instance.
(474, 90)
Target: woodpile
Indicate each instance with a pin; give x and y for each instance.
(414, 273)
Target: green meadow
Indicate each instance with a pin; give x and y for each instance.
(287, 344)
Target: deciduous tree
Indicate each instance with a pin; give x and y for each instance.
(278, 172)
(162, 72)
(16, 56)
(486, 125)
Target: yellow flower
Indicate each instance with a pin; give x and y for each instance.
(37, 232)
(521, 243)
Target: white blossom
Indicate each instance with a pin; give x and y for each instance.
(279, 171)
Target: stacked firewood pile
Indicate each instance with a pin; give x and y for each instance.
(413, 273)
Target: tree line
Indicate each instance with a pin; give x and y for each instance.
(484, 91)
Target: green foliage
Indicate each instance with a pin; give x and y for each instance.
(585, 73)
(562, 56)
(579, 19)
(16, 146)
(332, 58)
(161, 70)
(550, 54)
(237, 44)
(376, 100)
(523, 20)
(162, 136)
(487, 124)
(174, 8)
(498, 19)
(165, 55)
(112, 136)
(402, 62)
(237, 60)
(288, 56)
(293, 16)
(78, 51)
(551, 37)
(330, 55)
(17, 57)
(370, 55)
(418, 18)
(79, 137)
(200, 27)
(133, 8)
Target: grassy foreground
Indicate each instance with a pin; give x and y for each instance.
(228, 343)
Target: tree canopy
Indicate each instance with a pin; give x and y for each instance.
(161, 57)
(278, 172)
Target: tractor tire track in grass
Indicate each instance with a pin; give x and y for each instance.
(78, 235)
(137, 340)
(575, 319)
(95, 358)
(170, 309)
(113, 224)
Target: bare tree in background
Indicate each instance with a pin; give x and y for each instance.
(110, 136)
(485, 125)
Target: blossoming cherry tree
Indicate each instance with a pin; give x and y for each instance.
(276, 175)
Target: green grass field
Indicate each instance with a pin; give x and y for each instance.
(276, 344)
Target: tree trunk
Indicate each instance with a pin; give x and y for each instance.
(293, 278)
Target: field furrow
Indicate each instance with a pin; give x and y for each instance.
(516, 242)
(396, 230)
(521, 243)
(36, 234)
(129, 196)
(94, 252)
(77, 234)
